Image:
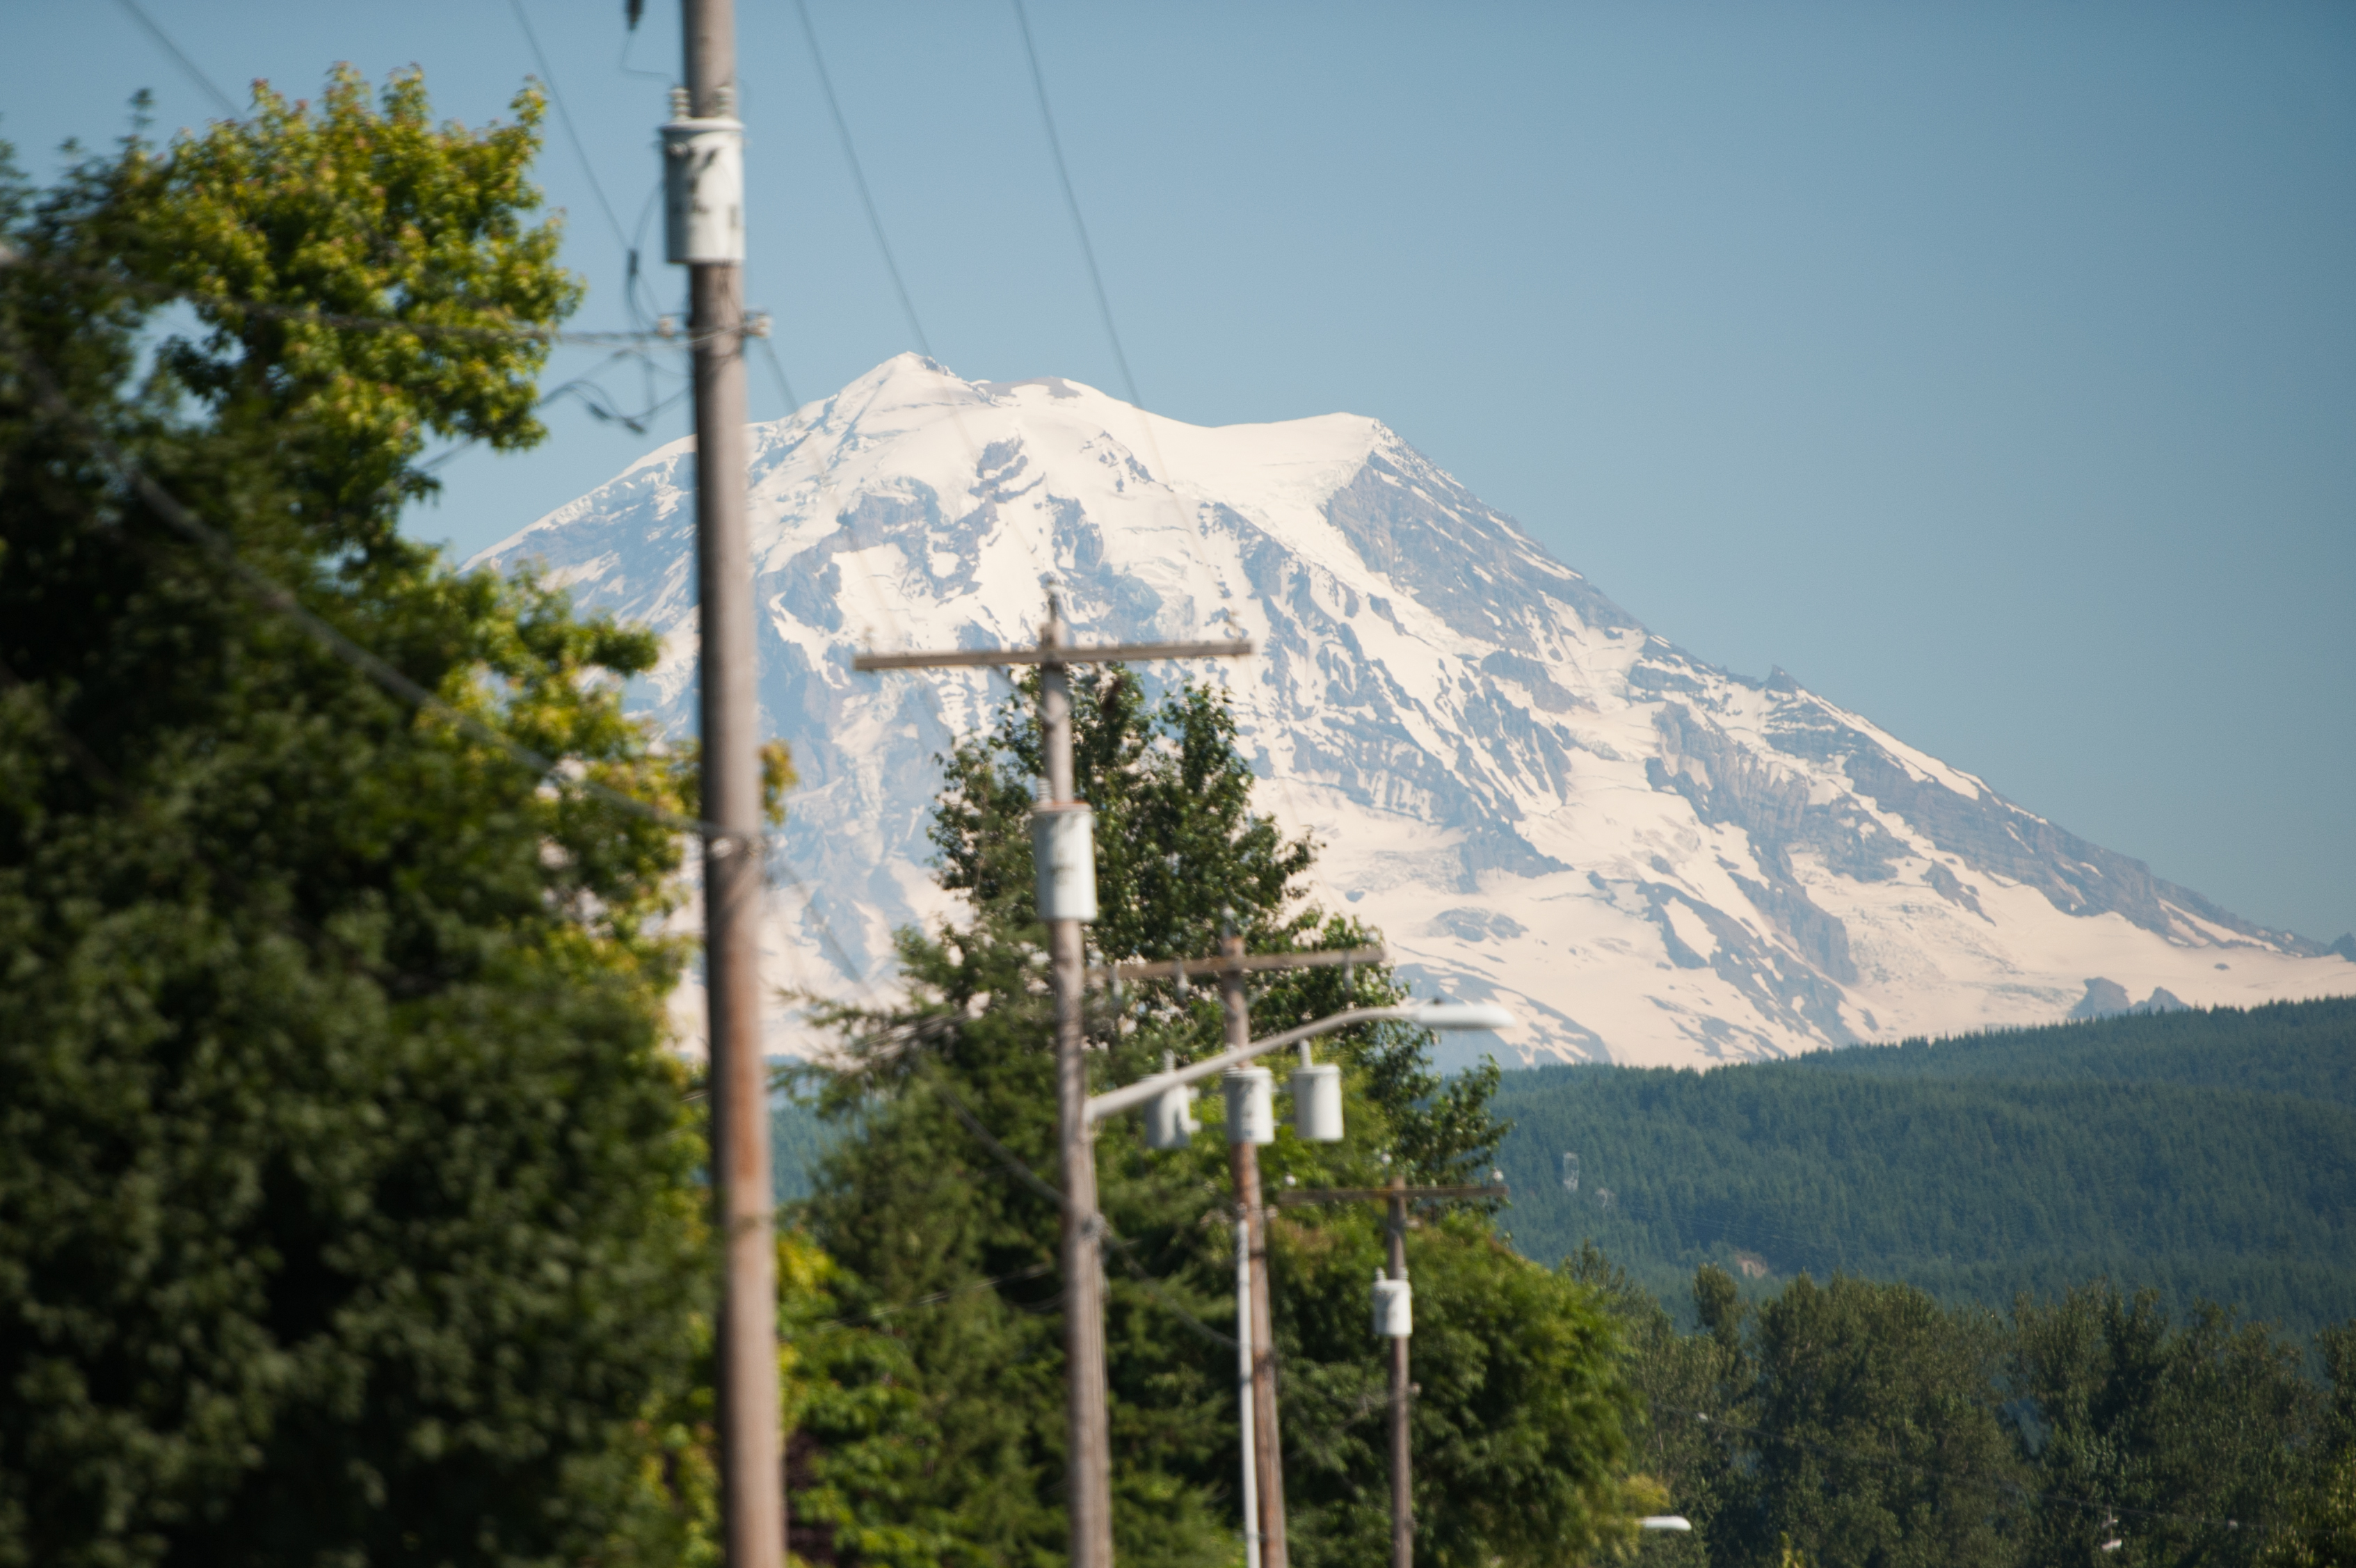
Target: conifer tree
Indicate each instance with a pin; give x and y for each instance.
(1519, 1428)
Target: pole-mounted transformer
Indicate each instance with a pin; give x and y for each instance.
(1317, 1101)
(1170, 1116)
(1064, 860)
(703, 184)
(1251, 1105)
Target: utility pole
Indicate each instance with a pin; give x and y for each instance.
(1402, 1454)
(704, 182)
(1062, 851)
(1263, 1453)
(1243, 1157)
(1394, 1322)
(1317, 1115)
(1089, 1465)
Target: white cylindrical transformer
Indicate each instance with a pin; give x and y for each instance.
(1394, 1307)
(703, 189)
(1251, 1105)
(1169, 1118)
(1064, 857)
(1317, 1103)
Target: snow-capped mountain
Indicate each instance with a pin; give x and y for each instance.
(1537, 800)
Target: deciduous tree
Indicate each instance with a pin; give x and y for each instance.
(347, 1196)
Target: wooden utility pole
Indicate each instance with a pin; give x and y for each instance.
(1089, 1467)
(1397, 1196)
(1317, 1109)
(1243, 1156)
(704, 191)
(1060, 844)
(1255, 1326)
(1402, 1452)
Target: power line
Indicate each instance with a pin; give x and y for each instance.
(556, 93)
(939, 1298)
(276, 596)
(1106, 1233)
(1072, 201)
(132, 805)
(10, 256)
(859, 178)
(778, 369)
(179, 57)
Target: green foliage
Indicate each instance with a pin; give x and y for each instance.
(346, 1197)
(1518, 1429)
(1687, 1386)
(2213, 1160)
(355, 209)
(1861, 1422)
(1873, 1421)
(2173, 1426)
(2324, 1534)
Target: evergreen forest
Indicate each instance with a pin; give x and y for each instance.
(2209, 1156)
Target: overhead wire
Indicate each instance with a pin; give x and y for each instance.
(87, 762)
(938, 1298)
(278, 597)
(1072, 203)
(1191, 527)
(859, 177)
(179, 57)
(572, 132)
(631, 277)
(281, 599)
(275, 595)
(271, 310)
(1107, 1235)
(825, 478)
(890, 263)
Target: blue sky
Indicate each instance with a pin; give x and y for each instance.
(1992, 368)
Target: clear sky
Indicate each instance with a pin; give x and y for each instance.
(1992, 368)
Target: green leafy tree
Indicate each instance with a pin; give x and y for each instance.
(1518, 1431)
(2195, 1437)
(1859, 1424)
(1688, 1387)
(346, 1198)
(1869, 1430)
(2323, 1534)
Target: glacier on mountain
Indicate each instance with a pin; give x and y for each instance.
(1537, 800)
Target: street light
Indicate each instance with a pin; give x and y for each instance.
(1317, 1093)
(1441, 1015)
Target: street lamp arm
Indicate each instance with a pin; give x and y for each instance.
(1113, 1101)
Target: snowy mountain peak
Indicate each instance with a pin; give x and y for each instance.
(1537, 800)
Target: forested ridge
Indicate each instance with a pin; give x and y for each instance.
(2208, 1154)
